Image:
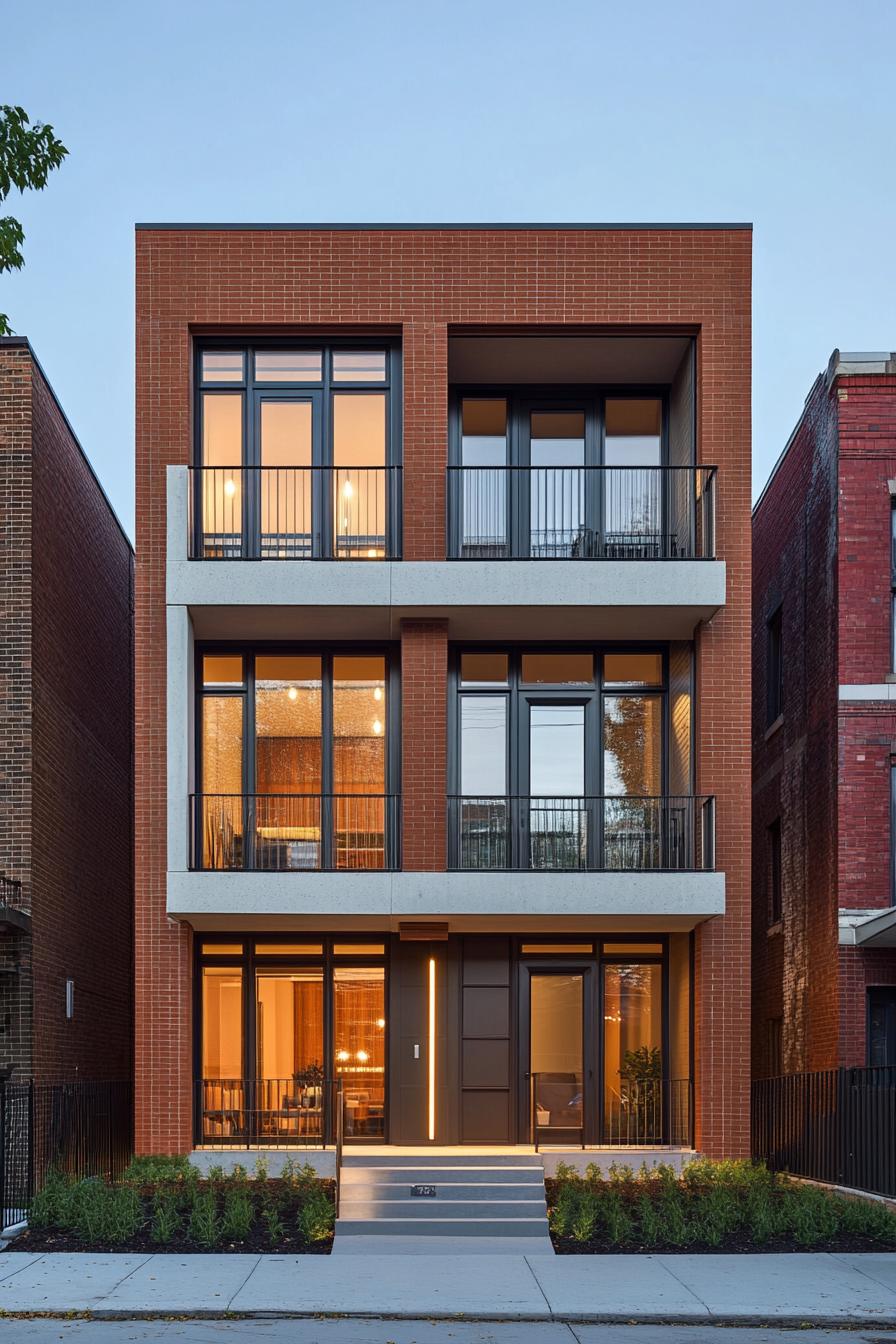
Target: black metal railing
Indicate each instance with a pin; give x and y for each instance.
(12, 894)
(294, 832)
(568, 834)
(637, 1113)
(581, 513)
(837, 1125)
(81, 1128)
(295, 513)
(298, 1111)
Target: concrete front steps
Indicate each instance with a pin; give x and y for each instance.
(477, 1196)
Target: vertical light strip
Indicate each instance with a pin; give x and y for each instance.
(432, 1049)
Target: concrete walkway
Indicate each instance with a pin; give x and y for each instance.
(743, 1289)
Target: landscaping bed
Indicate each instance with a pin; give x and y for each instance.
(713, 1207)
(163, 1204)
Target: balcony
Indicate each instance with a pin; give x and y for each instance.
(567, 835)
(295, 513)
(15, 913)
(581, 513)
(293, 833)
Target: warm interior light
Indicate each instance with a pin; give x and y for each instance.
(230, 488)
(362, 1056)
(342, 1056)
(347, 490)
(293, 693)
(381, 1022)
(432, 1049)
(371, 554)
(378, 693)
(377, 727)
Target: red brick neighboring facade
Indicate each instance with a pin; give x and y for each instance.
(424, 283)
(822, 552)
(66, 743)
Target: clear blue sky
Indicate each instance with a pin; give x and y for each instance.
(495, 110)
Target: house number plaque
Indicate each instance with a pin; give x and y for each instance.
(427, 1191)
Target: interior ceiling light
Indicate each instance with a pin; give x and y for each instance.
(342, 1055)
(230, 488)
(347, 490)
(381, 1022)
(378, 693)
(377, 727)
(293, 693)
(362, 1055)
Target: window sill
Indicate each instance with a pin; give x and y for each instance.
(773, 727)
(774, 929)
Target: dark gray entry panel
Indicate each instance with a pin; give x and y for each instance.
(486, 1041)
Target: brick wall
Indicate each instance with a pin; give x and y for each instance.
(821, 542)
(424, 738)
(425, 282)
(15, 692)
(66, 742)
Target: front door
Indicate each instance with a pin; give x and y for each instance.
(557, 1048)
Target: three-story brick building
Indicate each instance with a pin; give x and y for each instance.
(443, 684)
(824, 730)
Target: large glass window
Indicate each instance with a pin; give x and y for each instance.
(561, 760)
(633, 1052)
(301, 461)
(359, 1047)
(315, 752)
(561, 479)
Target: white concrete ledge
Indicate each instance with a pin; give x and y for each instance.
(659, 901)
(479, 599)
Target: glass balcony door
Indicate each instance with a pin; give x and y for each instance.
(555, 818)
(557, 510)
(285, 488)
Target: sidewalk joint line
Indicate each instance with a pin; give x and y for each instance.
(232, 1299)
(115, 1287)
(538, 1285)
(686, 1286)
(26, 1264)
(878, 1283)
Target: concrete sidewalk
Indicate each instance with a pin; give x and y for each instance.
(734, 1289)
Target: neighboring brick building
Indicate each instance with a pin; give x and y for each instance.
(66, 746)
(443, 621)
(824, 730)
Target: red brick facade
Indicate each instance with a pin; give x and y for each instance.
(822, 551)
(66, 742)
(425, 283)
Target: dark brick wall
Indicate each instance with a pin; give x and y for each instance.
(74, 712)
(821, 543)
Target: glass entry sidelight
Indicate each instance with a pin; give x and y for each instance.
(633, 1063)
(359, 1048)
(556, 1057)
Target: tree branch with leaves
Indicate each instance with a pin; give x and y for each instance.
(28, 154)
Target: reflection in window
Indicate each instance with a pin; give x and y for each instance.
(222, 480)
(222, 775)
(484, 818)
(359, 760)
(359, 366)
(633, 1061)
(484, 484)
(359, 1047)
(633, 743)
(633, 499)
(558, 813)
(633, 669)
(483, 669)
(359, 482)
(557, 484)
(288, 761)
(558, 669)
(288, 366)
(556, 1053)
(222, 1022)
(219, 366)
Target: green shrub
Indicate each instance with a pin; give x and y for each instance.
(90, 1210)
(238, 1216)
(152, 1169)
(274, 1224)
(649, 1221)
(50, 1203)
(204, 1227)
(238, 1174)
(261, 1170)
(124, 1214)
(617, 1219)
(165, 1223)
(316, 1216)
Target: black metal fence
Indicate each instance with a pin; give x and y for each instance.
(581, 513)
(837, 1126)
(618, 834)
(82, 1128)
(296, 1112)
